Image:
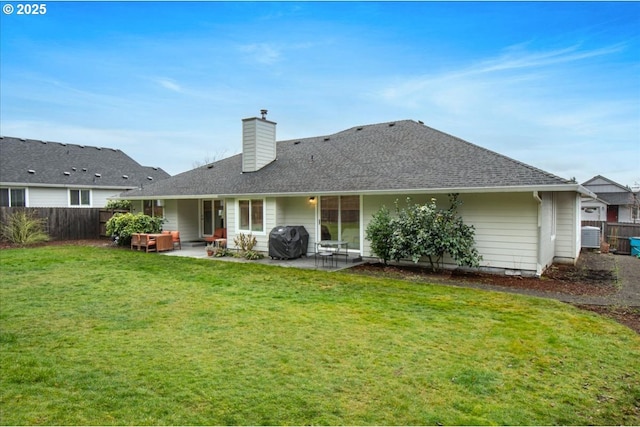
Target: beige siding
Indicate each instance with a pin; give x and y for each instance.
(506, 225)
(261, 237)
(567, 227)
(171, 218)
(258, 144)
(99, 198)
(51, 197)
(48, 197)
(187, 219)
(299, 211)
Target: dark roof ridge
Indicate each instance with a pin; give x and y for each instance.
(66, 144)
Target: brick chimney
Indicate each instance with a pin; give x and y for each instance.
(258, 142)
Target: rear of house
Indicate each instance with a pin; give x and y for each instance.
(524, 218)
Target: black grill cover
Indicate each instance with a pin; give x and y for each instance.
(288, 241)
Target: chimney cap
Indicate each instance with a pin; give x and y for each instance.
(263, 113)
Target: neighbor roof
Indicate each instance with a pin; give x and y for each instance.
(386, 157)
(617, 198)
(32, 162)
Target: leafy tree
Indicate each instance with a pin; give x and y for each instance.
(424, 231)
(122, 225)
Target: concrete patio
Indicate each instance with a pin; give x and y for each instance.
(197, 250)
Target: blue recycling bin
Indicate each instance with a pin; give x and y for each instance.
(635, 246)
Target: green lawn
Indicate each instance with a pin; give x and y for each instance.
(106, 336)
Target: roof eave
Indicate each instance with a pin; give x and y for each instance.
(499, 189)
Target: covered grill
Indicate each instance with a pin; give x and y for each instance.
(288, 241)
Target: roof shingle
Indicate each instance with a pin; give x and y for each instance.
(403, 155)
(32, 162)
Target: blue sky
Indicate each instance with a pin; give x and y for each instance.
(554, 85)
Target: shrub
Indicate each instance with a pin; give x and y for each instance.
(122, 225)
(380, 234)
(124, 205)
(245, 243)
(24, 228)
(424, 231)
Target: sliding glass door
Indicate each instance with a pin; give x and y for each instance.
(340, 219)
(212, 216)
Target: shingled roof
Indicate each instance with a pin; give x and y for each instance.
(386, 157)
(33, 162)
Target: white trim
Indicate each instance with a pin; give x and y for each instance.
(463, 190)
(80, 190)
(264, 216)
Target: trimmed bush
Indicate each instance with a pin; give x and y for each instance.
(122, 225)
(124, 205)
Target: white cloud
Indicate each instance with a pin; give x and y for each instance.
(169, 84)
(262, 53)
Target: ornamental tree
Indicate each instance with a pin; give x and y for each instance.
(424, 231)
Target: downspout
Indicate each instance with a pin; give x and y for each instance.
(538, 199)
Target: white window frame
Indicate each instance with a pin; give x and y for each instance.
(25, 193)
(264, 216)
(80, 205)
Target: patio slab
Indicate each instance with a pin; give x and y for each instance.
(305, 262)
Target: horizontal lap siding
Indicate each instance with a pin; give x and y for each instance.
(298, 211)
(48, 197)
(506, 227)
(187, 220)
(567, 226)
(506, 232)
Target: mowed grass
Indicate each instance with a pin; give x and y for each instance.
(104, 336)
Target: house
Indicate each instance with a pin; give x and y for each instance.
(54, 174)
(614, 202)
(525, 218)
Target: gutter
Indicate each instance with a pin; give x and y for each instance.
(462, 190)
(538, 199)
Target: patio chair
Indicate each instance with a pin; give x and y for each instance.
(148, 243)
(220, 237)
(175, 235)
(135, 241)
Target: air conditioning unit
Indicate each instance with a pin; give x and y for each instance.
(591, 237)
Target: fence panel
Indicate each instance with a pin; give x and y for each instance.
(64, 223)
(616, 234)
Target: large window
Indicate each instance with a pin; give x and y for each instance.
(154, 208)
(80, 197)
(340, 219)
(251, 215)
(15, 197)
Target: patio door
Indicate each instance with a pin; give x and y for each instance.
(212, 216)
(340, 219)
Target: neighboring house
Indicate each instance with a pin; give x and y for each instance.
(524, 218)
(53, 174)
(614, 203)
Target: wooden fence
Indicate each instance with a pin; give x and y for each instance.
(64, 223)
(616, 234)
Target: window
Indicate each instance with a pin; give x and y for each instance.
(153, 208)
(251, 215)
(340, 219)
(80, 197)
(15, 197)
